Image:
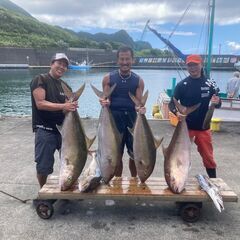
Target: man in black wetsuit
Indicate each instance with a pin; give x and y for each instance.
(121, 105)
(48, 104)
(194, 89)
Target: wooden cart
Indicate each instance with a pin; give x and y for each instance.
(189, 201)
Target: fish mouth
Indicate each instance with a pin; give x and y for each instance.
(66, 183)
(177, 188)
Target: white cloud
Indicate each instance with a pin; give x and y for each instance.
(234, 45)
(131, 15)
(113, 14)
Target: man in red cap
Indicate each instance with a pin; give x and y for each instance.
(194, 89)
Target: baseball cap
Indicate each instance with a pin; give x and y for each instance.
(194, 58)
(59, 56)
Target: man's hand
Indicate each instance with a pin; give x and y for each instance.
(141, 110)
(104, 102)
(70, 106)
(215, 99)
(181, 116)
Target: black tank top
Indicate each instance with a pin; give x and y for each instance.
(54, 93)
(120, 99)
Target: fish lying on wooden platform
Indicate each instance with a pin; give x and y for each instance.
(91, 177)
(212, 190)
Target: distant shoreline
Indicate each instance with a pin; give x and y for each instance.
(150, 67)
(100, 58)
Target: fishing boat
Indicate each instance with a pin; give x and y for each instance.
(230, 109)
(80, 66)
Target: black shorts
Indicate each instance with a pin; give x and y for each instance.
(46, 143)
(125, 120)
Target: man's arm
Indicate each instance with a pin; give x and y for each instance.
(139, 93)
(140, 89)
(106, 89)
(39, 95)
(176, 95)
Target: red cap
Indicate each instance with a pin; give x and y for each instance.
(194, 58)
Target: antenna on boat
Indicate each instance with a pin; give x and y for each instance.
(144, 29)
(211, 27)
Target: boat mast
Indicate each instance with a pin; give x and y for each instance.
(209, 52)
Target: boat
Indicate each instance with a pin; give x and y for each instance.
(230, 109)
(237, 65)
(82, 66)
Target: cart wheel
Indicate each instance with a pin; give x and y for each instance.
(190, 212)
(45, 209)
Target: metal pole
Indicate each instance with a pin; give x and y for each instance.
(212, 7)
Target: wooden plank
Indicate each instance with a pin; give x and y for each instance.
(153, 183)
(124, 188)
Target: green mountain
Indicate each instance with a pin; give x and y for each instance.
(19, 29)
(120, 37)
(13, 7)
(116, 39)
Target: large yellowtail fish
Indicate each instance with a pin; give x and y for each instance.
(177, 159)
(75, 145)
(109, 140)
(144, 143)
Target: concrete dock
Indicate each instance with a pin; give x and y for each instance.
(103, 220)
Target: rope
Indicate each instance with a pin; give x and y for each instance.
(19, 199)
(180, 20)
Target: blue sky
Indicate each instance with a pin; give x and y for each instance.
(112, 15)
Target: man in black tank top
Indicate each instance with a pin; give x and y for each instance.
(121, 106)
(48, 104)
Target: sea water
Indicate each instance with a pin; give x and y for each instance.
(15, 96)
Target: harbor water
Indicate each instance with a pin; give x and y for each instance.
(15, 92)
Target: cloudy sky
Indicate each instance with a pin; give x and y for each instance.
(112, 15)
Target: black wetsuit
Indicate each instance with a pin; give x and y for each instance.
(191, 91)
(122, 107)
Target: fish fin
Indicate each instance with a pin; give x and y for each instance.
(97, 92)
(164, 150)
(136, 101)
(144, 98)
(78, 93)
(89, 141)
(192, 140)
(59, 128)
(192, 108)
(183, 110)
(208, 117)
(109, 93)
(178, 105)
(119, 137)
(101, 94)
(92, 152)
(66, 91)
(131, 130)
(157, 142)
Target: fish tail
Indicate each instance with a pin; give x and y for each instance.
(139, 103)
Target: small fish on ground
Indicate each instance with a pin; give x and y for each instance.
(212, 190)
(91, 176)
